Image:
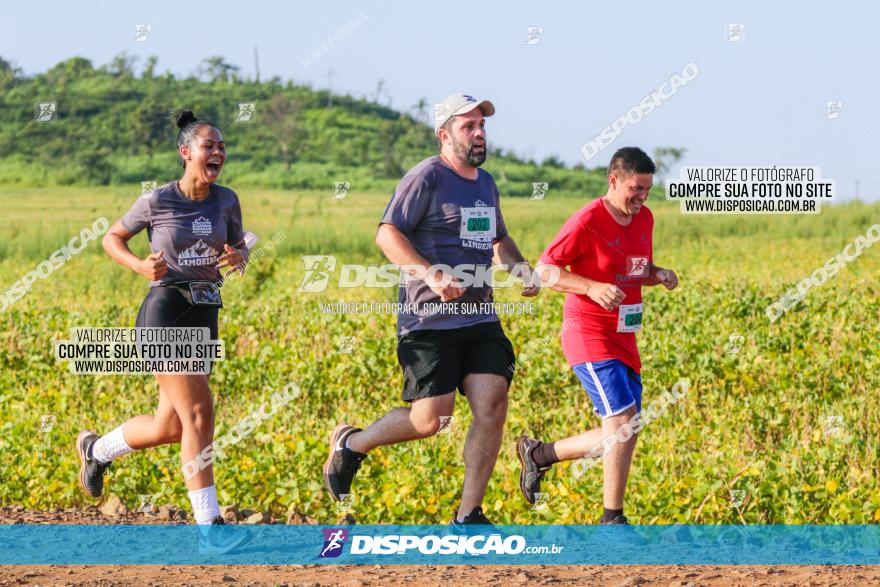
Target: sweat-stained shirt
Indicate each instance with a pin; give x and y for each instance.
(594, 245)
(449, 220)
(190, 234)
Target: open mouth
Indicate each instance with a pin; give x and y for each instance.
(214, 166)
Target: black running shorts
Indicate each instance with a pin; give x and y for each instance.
(435, 362)
(166, 306)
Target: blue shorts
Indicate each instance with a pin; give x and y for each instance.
(612, 386)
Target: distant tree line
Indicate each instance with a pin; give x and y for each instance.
(114, 124)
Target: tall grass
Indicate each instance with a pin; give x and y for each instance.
(752, 420)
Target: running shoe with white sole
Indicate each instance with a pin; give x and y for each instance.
(342, 463)
(530, 474)
(91, 472)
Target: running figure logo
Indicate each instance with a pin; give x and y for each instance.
(539, 189)
(341, 189)
(333, 542)
(440, 111)
(541, 501)
(346, 503)
(734, 344)
(318, 269)
(736, 497)
(345, 344)
(45, 111)
(535, 34)
(246, 111)
(832, 109)
(833, 425)
(141, 32)
(446, 424)
(47, 422)
(637, 266)
(735, 32)
(147, 188)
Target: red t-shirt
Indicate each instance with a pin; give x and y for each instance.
(592, 244)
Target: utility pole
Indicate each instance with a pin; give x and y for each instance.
(330, 74)
(257, 63)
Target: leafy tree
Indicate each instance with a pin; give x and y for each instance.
(216, 69)
(421, 113)
(108, 118)
(72, 70)
(665, 158)
(150, 67)
(390, 131)
(122, 65)
(553, 161)
(283, 115)
(149, 124)
(9, 74)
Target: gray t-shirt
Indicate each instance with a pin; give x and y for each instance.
(190, 234)
(450, 220)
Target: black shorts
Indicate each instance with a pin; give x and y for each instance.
(166, 307)
(435, 362)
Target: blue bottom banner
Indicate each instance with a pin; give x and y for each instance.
(430, 544)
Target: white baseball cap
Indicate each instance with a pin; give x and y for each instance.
(457, 104)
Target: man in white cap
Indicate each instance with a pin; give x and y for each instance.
(445, 213)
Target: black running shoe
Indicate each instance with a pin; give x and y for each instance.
(475, 518)
(616, 521)
(342, 463)
(623, 536)
(220, 538)
(91, 472)
(530, 474)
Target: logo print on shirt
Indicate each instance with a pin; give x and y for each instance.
(615, 242)
(481, 203)
(201, 226)
(637, 266)
(198, 255)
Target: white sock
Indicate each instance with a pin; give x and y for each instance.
(110, 446)
(204, 504)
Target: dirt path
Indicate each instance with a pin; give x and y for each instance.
(360, 575)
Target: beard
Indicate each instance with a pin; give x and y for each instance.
(466, 153)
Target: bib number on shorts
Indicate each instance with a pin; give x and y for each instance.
(629, 318)
(477, 224)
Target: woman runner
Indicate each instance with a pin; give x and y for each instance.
(195, 229)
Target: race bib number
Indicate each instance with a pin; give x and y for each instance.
(477, 224)
(629, 318)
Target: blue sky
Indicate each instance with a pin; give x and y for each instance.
(760, 101)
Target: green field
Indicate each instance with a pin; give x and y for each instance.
(752, 421)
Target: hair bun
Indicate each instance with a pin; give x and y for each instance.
(184, 118)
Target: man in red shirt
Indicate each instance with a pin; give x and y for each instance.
(606, 246)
